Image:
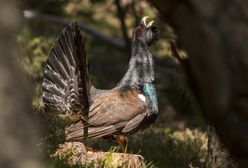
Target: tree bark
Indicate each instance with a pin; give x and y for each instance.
(215, 33)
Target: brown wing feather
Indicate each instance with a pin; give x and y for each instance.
(110, 113)
(134, 123)
(119, 105)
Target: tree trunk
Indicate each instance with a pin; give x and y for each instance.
(17, 125)
(215, 33)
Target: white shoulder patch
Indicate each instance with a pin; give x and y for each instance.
(142, 97)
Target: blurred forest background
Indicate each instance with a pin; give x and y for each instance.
(178, 138)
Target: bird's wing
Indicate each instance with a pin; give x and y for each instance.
(66, 76)
(110, 113)
(118, 105)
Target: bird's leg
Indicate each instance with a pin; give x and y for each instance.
(122, 140)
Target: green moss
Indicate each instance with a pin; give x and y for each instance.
(171, 149)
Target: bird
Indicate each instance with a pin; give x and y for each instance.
(129, 107)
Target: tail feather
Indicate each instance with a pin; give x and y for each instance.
(66, 82)
(59, 67)
(53, 88)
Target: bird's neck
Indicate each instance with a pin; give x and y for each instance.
(140, 70)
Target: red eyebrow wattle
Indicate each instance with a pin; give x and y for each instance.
(141, 29)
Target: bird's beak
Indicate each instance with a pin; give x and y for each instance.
(144, 20)
(150, 23)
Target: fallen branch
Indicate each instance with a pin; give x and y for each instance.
(74, 153)
(116, 42)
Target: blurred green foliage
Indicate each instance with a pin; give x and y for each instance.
(33, 51)
(178, 138)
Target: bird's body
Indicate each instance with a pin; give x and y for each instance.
(130, 106)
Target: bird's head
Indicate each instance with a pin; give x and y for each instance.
(145, 32)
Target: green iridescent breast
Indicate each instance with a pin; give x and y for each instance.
(150, 92)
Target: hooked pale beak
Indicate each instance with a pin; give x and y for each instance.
(143, 21)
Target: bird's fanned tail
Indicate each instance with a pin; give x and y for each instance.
(66, 80)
